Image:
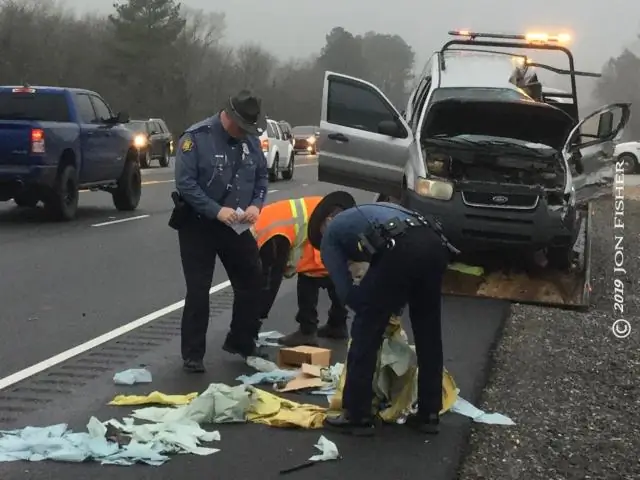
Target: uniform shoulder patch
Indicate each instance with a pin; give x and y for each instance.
(187, 144)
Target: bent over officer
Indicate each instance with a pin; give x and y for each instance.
(408, 256)
(219, 168)
(281, 233)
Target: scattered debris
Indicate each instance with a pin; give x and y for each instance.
(132, 376)
(293, 357)
(465, 408)
(328, 451)
(269, 339)
(154, 398)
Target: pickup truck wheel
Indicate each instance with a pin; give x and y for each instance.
(126, 196)
(26, 201)
(164, 159)
(288, 173)
(273, 173)
(629, 162)
(145, 159)
(62, 202)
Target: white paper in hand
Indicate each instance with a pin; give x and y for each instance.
(240, 227)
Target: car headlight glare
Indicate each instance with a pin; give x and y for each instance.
(140, 141)
(437, 189)
(311, 140)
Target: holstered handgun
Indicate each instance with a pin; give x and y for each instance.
(181, 211)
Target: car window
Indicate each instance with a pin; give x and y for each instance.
(278, 133)
(161, 126)
(30, 105)
(356, 106)
(154, 127)
(419, 102)
(102, 111)
(85, 109)
(304, 130)
(137, 126)
(270, 132)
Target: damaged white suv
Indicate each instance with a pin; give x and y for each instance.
(499, 162)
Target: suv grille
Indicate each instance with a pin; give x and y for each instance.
(496, 200)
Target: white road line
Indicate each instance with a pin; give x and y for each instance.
(93, 343)
(121, 220)
(307, 165)
(273, 191)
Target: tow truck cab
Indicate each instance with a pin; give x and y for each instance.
(482, 146)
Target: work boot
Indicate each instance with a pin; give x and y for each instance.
(299, 338)
(230, 347)
(363, 427)
(193, 366)
(429, 424)
(334, 332)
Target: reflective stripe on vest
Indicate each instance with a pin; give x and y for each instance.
(300, 217)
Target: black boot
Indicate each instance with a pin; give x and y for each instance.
(334, 332)
(232, 347)
(363, 427)
(193, 366)
(299, 338)
(429, 424)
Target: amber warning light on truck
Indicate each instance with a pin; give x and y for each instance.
(533, 37)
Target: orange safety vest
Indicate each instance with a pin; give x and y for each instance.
(290, 219)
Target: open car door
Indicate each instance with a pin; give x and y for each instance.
(589, 149)
(364, 141)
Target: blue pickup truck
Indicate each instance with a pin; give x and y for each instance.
(56, 141)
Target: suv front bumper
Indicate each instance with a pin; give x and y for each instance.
(472, 228)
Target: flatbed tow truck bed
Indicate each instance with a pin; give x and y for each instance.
(533, 285)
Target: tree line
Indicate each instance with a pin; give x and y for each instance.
(620, 82)
(157, 58)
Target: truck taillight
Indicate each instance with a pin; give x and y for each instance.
(265, 145)
(37, 140)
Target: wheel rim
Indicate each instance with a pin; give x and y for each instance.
(629, 164)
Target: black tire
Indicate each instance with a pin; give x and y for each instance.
(126, 196)
(288, 173)
(630, 163)
(145, 159)
(273, 172)
(26, 201)
(62, 201)
(164, 159)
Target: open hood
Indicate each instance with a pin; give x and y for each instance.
(524, 120)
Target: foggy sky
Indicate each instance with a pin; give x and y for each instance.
(600, 28)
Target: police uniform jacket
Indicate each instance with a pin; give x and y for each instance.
(341, 239)
(209, 162)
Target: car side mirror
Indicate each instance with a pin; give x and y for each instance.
(122, 117)
(605, 124)
(390, 128)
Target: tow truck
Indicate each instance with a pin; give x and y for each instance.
(505, 165)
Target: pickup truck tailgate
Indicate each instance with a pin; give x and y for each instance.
(15, 141)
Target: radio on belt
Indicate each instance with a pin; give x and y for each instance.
(381, 237)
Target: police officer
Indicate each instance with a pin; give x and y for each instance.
(281, 233)
(219, 168)
(408, 256)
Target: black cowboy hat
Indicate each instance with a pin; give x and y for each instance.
(331, 202)
(244, 109)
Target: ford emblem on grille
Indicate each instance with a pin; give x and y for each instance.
(499, 199)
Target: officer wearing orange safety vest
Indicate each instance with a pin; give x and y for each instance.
(281, 234)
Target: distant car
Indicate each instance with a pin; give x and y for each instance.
(56, 141)
(629, 154)
(153, 141)
(278, 152)
(306, 139)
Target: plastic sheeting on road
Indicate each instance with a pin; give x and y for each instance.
(132, 376)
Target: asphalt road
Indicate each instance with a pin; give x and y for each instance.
(63, 285)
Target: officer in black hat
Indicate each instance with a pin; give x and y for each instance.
(408, 256)
(221, 181)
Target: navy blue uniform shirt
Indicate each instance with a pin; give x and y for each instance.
(205, 161)
(341, 237)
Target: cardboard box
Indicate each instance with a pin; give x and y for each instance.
(294, 357)
(309, 377)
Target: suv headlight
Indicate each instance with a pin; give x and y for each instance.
(140, 141)
(438, 189)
